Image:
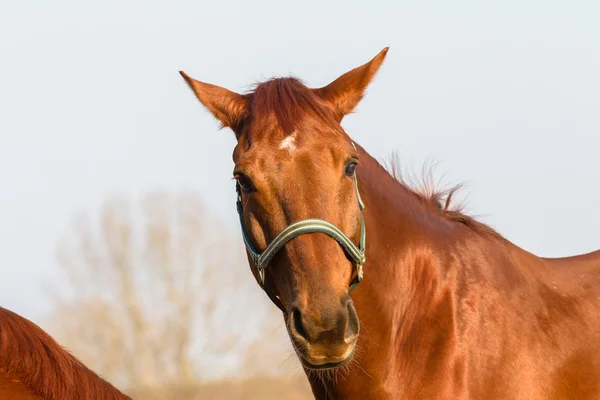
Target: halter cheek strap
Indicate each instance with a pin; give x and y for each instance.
(311, 225)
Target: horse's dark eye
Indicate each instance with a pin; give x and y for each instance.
(350, 169)
(245, 183)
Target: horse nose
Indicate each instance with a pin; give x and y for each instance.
(321, 324)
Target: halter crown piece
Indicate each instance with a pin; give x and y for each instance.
(261, 260)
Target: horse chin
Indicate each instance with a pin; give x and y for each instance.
(323, 363)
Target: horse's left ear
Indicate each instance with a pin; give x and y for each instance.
(344, 94)
(228, 107)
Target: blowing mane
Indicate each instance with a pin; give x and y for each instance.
(29, 354)
(438, 200)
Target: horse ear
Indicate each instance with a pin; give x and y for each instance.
(228, 107)
(344, 94)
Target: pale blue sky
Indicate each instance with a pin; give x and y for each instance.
(503, 97)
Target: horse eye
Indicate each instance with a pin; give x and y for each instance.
(245, 183)
(350, 169)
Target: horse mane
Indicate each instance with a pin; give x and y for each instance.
(438, 200)
(288, 99)
(29, 354)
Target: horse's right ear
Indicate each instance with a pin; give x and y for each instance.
(228, 107)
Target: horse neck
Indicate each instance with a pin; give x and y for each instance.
(403, 235)
(416, 253)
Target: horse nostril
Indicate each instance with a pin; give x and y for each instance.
(297, 324)
(352, 323)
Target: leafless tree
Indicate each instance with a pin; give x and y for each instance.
(157, 291)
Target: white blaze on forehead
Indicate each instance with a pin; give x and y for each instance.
(289, 143)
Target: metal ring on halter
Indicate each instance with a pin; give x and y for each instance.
(311, 225)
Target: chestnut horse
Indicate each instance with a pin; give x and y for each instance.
(447, 308)
(34, 367)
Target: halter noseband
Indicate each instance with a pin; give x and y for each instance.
(261, 260)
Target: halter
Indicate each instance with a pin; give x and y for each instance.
(311, 225)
